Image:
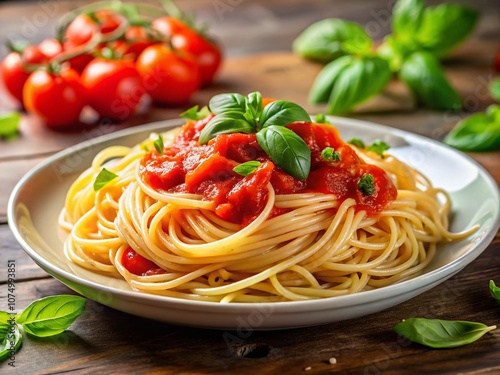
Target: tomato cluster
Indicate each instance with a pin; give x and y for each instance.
(109, 60)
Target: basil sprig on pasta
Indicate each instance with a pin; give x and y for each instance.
(236, 113)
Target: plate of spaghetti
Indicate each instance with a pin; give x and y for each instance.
(266, 221)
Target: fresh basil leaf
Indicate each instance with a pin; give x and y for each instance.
(225, 123)
(103, 178)
(254, 105)
(227, 102)
(444, 26)
(320, 118)
(4, 328)
(394, 52)
(495, 89)
(331, 38)
(378, 147)
(247, 168)
(363, 78)
(357, 142)
(326, 79)
(6, 345)
(4, 317)
(407, 15)
(9, 125)
(495, 291)
(158, 143)
(51, 315)
(366, 185)
(282, 113)
(329, 154)
(286, 149)
(194, 114)
(478, 132)
(425, 78)
(437, 333)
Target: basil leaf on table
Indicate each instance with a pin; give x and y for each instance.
(444, 26)
(51, 315)
(226, 123)
(286, 149)
(9, 124)
(394, 52)
(282, 113)
(437, 333)
(325, 80)
(6, 342)
(478, 132)
(4, 317)
(363, 78)
(407, 15)
(227, 102)
(494, 291)
(331, 38)
(425, 78)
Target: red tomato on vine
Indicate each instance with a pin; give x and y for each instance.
(56, 98)
(114, 87)
(170, 77)
(183, 38)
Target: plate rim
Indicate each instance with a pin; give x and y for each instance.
(430, 278)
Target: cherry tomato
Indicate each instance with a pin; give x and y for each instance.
(138, 265)
(50, 48)
(84, 26)
(114, 87)
(136, 40)
(13, 73)
(57, 98)
(169, 26)
(81, 30)
(208, 54)
(170, 77)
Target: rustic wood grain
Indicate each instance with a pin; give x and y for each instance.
(11, 250)
(11, 172)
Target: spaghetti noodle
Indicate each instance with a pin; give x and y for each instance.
(184, 236)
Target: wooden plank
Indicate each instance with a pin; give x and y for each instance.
(11, 172)
(26, 268)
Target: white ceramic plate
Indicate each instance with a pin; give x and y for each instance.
(37, 199)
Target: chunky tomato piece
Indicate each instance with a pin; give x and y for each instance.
(385, 191)
(317, 137)
(249, 195)
(138, 265)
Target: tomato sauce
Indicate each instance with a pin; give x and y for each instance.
(207, 170)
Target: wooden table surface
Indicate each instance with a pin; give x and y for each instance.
(257, 36)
